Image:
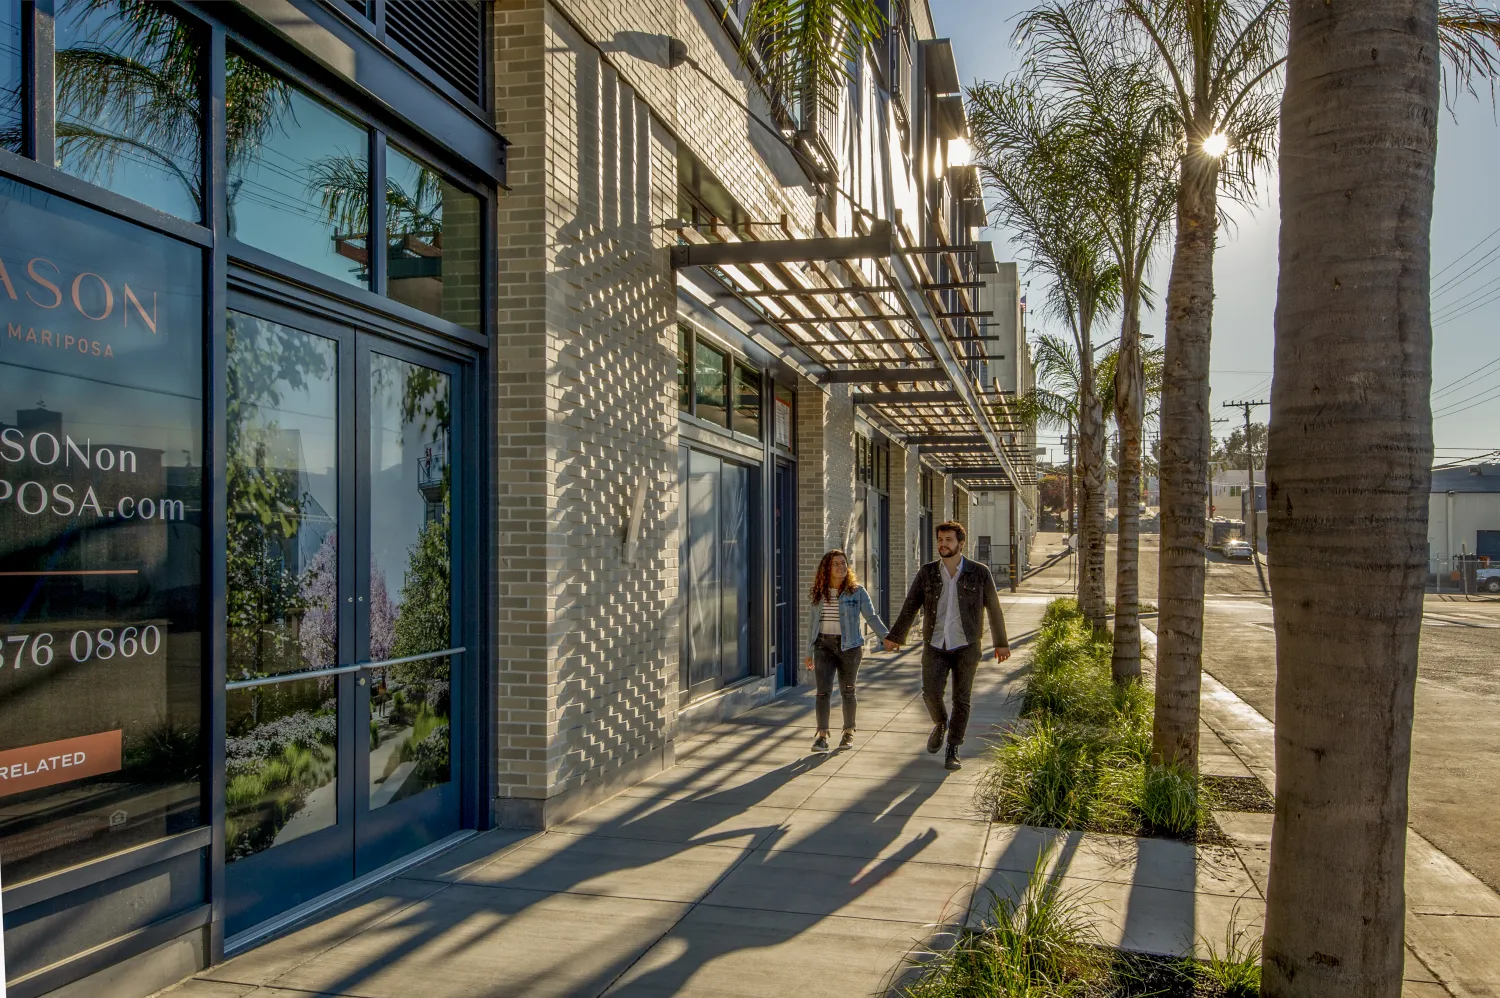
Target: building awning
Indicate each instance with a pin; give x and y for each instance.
(895, 320)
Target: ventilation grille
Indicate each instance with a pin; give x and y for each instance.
(448, 35)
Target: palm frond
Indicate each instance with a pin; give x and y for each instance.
(1469, 36)
(808, 46)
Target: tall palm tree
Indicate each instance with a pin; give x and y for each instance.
(1124, 126)
(1349, 470)
(805, 47)
(1223, 60)
(1025, 153)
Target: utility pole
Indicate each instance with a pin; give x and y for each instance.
(1250, 460)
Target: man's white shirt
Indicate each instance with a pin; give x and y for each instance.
(948, 630)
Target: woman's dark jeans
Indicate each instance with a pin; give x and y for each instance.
(828, 659)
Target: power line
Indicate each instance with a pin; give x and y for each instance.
(1446, 310)
(1465, 254)
(1454, 385)
(1475, 405)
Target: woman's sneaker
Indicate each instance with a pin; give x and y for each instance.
(848, 738)
(820, 743)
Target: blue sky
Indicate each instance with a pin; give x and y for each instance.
(1466, 217)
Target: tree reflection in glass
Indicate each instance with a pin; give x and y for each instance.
(410, 482)
(282, 491)
(129, 108)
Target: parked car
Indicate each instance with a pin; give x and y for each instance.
(1237, 549)
(1488, 580)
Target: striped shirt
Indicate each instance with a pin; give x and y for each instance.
(830, 619)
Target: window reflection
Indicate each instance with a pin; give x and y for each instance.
(411, 589)
(299, 174)
(432, 241)
(710, 384)
(281, 427)
(128, 104)
(11, 136)
(747, 401)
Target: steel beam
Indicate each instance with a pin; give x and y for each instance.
(931, 439)
(880, 243)
(798, 292)
(885, 376)
(905, 398)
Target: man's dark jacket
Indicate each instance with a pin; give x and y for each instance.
(976, 594)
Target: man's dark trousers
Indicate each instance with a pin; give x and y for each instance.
(937, 665)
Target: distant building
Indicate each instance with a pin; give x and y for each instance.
(1464, 515)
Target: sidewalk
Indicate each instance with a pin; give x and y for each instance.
(751, 869)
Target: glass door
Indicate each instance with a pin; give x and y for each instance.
(342, 659)
(407, 787)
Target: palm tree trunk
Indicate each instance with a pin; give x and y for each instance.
(1129, 413)
(1092, 536)
(1185, 448)
(1349, 473)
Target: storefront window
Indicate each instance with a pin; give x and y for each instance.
(11, 118)
(299, 174)
(710, 384)
(432, 241)
(129, 112)
(101, 486)
(747, 401)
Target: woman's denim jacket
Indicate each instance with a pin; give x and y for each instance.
(852, 606)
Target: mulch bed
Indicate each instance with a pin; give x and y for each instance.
(1240, 793)
(1138, 975)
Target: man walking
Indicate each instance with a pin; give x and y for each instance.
(953, 594)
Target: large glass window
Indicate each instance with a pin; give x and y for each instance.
(129, 112)
(684, 369)
(432, 240)
(281, 752)
(715, 567)
(747, 401)
(101, 486)
(711, 384)
(11, 117)
(299, 174)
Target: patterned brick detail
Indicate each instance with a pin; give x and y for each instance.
(585, 358)
(906, 521)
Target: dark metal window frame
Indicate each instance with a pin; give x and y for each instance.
(373, 24)
(256, 271)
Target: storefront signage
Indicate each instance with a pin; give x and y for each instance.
(101, 493)
(59, 762)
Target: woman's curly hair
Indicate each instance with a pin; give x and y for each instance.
(824, 577)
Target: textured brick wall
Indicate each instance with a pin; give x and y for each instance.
(906, 519)
(825, 480)
(585, 381)
(761, 176)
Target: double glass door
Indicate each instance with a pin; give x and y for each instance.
(344, 669)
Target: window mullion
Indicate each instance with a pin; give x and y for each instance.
(41, 117)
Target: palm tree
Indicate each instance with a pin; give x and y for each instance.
(1349, 470)
(1223, 61)
(805, 47)
(1024, 153)
(1124, 129)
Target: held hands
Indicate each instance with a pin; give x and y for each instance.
(891, 645)
(1001, 654)
(808, 661)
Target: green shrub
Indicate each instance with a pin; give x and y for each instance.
(1235, 970)
(1040, 944)
(1169, 800)
(1065, 608)
(244, 791)
(1048, 775)
(374, 735)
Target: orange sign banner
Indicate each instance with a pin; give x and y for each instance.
(59, 762)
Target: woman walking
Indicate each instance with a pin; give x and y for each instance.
(835, 640)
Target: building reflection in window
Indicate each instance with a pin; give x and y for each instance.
(432, 240)
(129, 107)
(299, 174)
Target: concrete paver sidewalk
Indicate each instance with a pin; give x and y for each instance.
(752, 869)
